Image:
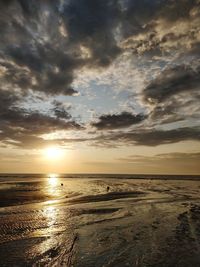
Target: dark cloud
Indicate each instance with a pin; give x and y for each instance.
(24, 55)
(91, 23)
(61, 111)
(116, 121)
(7, 99)
(53, 54)
(151, 137)
(162, 28)
(37, 54)
(48, 70)
(17, 125)
(171, 82)
(174, 11)
(169, 112)
(50, 55)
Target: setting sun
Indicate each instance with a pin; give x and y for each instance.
(53, 153)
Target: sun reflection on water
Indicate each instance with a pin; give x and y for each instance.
(53, 179)
(53, 183)
(50, 214)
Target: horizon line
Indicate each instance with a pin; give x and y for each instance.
(96, 173)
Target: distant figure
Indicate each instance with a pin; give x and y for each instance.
(61, 184)
(108, 188)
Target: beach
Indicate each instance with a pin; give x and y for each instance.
(77, 221)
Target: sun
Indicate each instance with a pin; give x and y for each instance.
(53, 153)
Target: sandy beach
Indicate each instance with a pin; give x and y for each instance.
(138, 222)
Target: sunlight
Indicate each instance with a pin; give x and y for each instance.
(53, 185)
(50, 213)
(53, 153)
(53, 179)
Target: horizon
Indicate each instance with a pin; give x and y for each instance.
(99, 173)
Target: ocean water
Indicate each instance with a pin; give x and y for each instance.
(76, 220)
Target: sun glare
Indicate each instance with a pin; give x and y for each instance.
(53, 153)
(53, 179)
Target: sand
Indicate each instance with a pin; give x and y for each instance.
(146, 223)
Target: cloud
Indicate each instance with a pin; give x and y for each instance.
(61, 111)
(152, 137)
(7, 99)
(171, 27)
(18, 125)
(41, 69)
(180, 155)
(173, 95)
(147, 48)
(95, 34)
(44, 59)
(164, 156)
(35, 56)
(91, 24)
(171, 82)
(116, 121)
(167, 113)
(175, 162)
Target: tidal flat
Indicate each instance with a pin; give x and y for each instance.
(99, 221)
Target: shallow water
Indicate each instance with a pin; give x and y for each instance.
(139, 222)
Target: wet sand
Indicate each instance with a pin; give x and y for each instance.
(151, 223)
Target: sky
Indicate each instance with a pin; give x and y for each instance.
(100, 86)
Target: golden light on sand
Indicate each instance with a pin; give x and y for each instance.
(53, 153)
